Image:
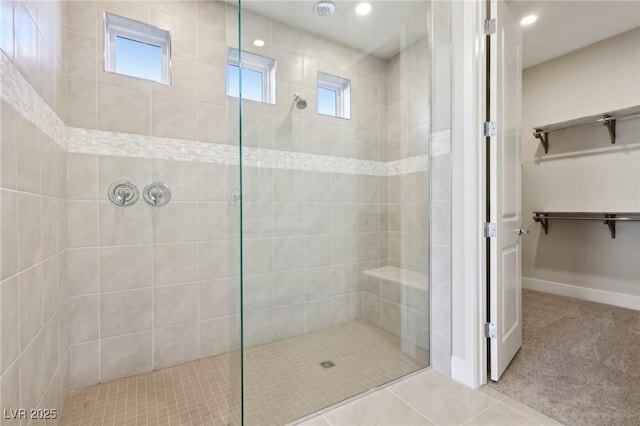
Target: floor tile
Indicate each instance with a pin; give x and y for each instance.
(378, 408)
(440, 399)
(500, 415)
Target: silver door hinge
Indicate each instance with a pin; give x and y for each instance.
(490, 26)
(490, 330)
(490, 230)
(489, 128)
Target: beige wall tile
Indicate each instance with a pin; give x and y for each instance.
(173, 117)
(10, 320)
(29, 230)
(83, 271)
(49, 216)
(85, 358)
(50, 287)
(82, 182)
(9, 230)
(218, 259)
(125, 312)
(180, 176)
(214, 336)
(175, 263)
(125, 267)
(218, 298)
(125, 225)
(175, 304)
(175, 222)
(81, 58)
(11, 387)
(258, 327)
(288, 287)
(82, 223)
(175, 345)
(84, 318)
(288, 321)
(81, 17)
(183, 80)
(28, 155)
(317, 315)
(83, 104)
(8, 145)
(124, 356)
(123, 110)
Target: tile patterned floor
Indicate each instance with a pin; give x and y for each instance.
(429, 398)
(284, 381)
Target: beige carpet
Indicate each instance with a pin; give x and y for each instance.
(579, 362)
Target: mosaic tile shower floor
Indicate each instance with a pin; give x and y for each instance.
(284, 381)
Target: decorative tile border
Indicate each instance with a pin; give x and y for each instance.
(18, 93)
(100, 142)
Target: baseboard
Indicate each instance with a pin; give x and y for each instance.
(601, 296)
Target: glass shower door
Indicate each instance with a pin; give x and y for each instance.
(335, 142)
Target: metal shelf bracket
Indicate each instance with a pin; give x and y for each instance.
(611, 224)
(542, 220)
(544, 139)
(610, 123)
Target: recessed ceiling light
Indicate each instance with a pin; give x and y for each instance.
(363, 8)
(528, 20)
(258, 43)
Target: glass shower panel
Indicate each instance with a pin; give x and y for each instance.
(335, 211)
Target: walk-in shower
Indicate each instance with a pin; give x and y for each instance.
(221, 257)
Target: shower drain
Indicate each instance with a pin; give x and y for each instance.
(327, 364)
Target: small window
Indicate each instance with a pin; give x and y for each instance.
(136, 49)
(334, 96)
(258, 77)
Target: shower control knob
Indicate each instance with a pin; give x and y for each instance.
(123, 193)
(157, 194)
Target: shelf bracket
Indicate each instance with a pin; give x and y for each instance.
(610, 123)
(544, 138)
(542, 220)
(611, 224)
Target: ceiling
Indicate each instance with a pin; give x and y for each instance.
(562, 26)
(390, 26)
(565, 26)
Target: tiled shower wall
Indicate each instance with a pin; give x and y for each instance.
(163, 282)
(34, 355)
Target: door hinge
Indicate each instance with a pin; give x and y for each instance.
(490, 26)
(490, 230)
(490, 330)
(489, 128)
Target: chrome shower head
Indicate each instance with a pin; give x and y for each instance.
(299, 101)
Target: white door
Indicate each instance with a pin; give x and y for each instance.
(505, 286)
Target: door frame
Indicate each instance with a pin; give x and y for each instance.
(468, 205)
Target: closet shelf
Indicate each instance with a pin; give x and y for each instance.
(608, 219)
(607, 119)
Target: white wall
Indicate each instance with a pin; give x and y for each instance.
(583, 172)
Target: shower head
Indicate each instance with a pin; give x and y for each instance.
(299, 101)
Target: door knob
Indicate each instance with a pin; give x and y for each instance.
(521, 231)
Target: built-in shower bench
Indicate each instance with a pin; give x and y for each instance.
(397, 300)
